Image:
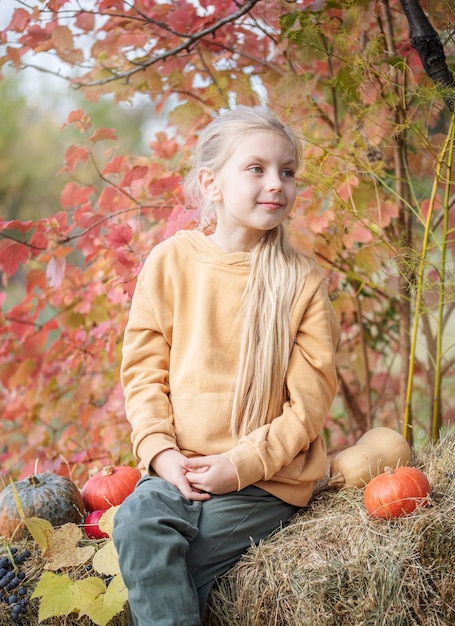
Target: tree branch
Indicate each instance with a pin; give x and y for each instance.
(188, 43)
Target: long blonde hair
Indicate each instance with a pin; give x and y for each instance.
(275, 281)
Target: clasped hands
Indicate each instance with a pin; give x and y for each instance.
(196, 478)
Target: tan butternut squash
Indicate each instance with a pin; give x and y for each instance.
(376, 449)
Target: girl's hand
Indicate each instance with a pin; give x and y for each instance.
(214, 473)
(170, 465)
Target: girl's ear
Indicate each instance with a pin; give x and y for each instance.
(208, 185)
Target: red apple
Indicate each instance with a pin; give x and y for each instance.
(92, 530)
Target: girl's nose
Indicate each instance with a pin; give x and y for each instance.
(274, 183)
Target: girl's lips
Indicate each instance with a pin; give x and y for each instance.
(272, 205)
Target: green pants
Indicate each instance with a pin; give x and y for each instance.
(171, 549)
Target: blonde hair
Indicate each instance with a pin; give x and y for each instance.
(275, 281)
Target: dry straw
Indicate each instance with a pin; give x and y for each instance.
(333, 565)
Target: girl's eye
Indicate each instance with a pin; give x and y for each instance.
(256, 169)
(288, 173)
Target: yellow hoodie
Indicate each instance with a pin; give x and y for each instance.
(180, 356)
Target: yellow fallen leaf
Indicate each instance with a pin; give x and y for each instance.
(17, 500)
(39, 529)
(86, 591)
(63, 550)
(106, 523)
(106, 605)
(105, 560)
(56, 596)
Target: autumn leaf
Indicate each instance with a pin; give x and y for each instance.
(103, 133)
(55, 271)
(74, 154)
(136, 173)
(80, 120)
(57, 598)
(115, 165)
(20, 225)
(40, 529)
(105, 560)
(85, 21)
(105, 606)
(86, 591)
(74, 195)
(179, 219)
(164, 148)
(106, 522)
(119, 235)
(12, 254)
(63, 38)
(20, 20)
(165, 184)
(88, 596)
(346, 188)
(63, 550)
(357, 234)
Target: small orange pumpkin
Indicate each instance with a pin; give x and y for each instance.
(109, 487)
(396, 492)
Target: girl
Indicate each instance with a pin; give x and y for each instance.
(228, 372)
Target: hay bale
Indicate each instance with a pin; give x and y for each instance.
(334, 566)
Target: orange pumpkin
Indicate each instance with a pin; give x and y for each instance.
(47, 496)
(109, 487)
(396, 492)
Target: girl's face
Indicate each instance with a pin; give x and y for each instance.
(255, 189)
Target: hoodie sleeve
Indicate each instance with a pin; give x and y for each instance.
(145, 371)
(311, 384)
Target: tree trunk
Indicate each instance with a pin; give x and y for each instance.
(425, 40)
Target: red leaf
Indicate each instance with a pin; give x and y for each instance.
(74, 154)
(38, 242)
(22, 227)
(124, 260)
(181, 17)
(103, 133)
(15, 56)
(19, 320)
(37, 38)
(346, 189)
(79, 119)
(12, 254)
(85, 216)
(111, 4)
(85, 21)
(115, 166)
(73, 195)
(358, 234)
(136, 173)
(36, 279)
(164, 148)
(119, 235)
(179, 219)
(163, 185)
(112, 200)
(63, 38)
(19, 21)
